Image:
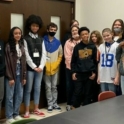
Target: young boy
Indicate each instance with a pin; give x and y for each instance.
(83, 65)
(2, 69)
(54, 56)
(108, 75)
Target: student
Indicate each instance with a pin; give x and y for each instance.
(54, 57)
(68, 34)
(2, 72)
(118, 31)
(68, 51)
(83, 67)
(107, 69)
(15, 74)
(96, 38)
(36, 59)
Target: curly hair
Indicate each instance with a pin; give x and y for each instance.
(33, 19)
(98, 35)
(12, 41)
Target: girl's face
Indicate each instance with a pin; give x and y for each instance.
(17, 34)
(94, 38)
(117, 24)
(107, 36)
(34, 28)
(74, 31)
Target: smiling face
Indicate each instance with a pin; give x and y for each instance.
(34, 28)
(107, 36)
(84, 35)
(94, 38)
(17, 34)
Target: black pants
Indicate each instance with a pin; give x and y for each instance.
(69, 87)
(83, 89)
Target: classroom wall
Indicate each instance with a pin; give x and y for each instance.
(98, 14)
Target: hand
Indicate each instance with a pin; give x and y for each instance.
(24, 82)
(11, 82)
(74, 76)
(40, 70)
(92, 77)
(36, 69)
(116, 81)
(121, 44)
(98, 80)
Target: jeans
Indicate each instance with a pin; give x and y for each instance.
(69, 86)
(14, 95)
(51, 88)
(36, 78)
(107, 87)
(122, 84)
(1, 91)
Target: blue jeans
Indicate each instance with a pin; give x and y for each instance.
(14, 95)
(36, 78)
(122, 84)
(107, 87)
(69, 87)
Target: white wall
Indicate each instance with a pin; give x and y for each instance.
(98, 14)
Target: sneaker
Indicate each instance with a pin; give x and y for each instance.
(18, 118)
(9, 121)
(38, 112)
(50, 109)
(26, 115)
(56, 107)
(68, 107)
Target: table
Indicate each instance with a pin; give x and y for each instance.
(109, 111)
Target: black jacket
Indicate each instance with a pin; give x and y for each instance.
(2, 59)
(84, 58)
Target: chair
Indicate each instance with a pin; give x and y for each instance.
(106, 95)
(24, 121)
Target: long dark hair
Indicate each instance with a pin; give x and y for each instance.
(11, 40)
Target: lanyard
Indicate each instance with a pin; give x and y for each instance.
(106, 52)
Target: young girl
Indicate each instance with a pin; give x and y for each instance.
(15, 74)
(36, 59)
(107, 68)
(68, 50)
(96, 38)
(118, 31)
(68, 34)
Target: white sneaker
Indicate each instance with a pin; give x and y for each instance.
(9, 121)
(68, 107)
(18, 118)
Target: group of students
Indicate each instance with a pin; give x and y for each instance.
(93, 59)
(89, 59)
(22, 65)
